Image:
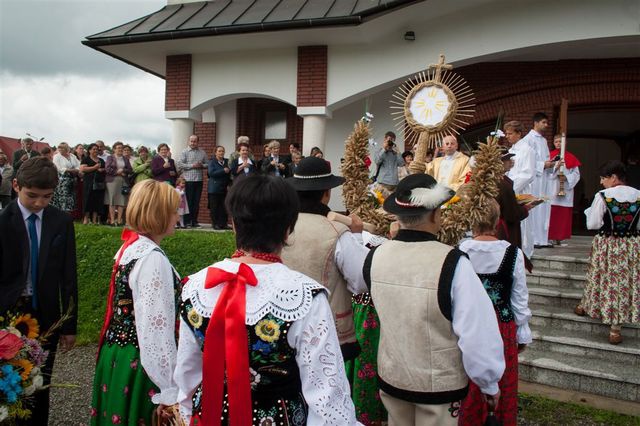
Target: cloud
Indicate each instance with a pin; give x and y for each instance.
(44, 36)
(81, 109)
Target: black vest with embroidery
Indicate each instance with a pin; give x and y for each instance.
(122, 325)
(276, 389)
(621, 218)
(498, 285)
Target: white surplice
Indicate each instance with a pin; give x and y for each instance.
(541, 214)
(523, 174)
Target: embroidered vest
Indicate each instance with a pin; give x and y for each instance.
(621, 218)
(498, 285)
(122, 327)
(418, 355)
(311, 250)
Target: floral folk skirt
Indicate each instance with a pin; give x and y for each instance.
(362, 371)
(612, 291)
(473, 410)
(122, 390)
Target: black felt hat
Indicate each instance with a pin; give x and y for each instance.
(417, 194)
(314, 174)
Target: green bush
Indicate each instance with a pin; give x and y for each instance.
(188, 251)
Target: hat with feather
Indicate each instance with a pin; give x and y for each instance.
(417, 194)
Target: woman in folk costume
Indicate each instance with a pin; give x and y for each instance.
(137, 351)
(562, 205)
(612, 291)
(362, 371)
(501, 268)
(258, 345)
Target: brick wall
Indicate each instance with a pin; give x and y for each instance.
(207, 141)
(312, 76)
(521, 89)
(178, 83)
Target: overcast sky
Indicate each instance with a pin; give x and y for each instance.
(54, 87)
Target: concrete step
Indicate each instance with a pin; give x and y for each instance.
(556, 296)
(559, 319)
(573, 264)
(556, 278)
(606, 378)
(587, 346)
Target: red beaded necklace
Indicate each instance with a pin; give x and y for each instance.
(262, 256)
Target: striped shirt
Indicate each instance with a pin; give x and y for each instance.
(187, 159)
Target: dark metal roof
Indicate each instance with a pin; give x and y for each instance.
(217, 17)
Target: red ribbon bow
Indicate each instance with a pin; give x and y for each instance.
(226, 344)
(129, 237)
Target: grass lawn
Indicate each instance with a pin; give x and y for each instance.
(188, 251)
(537, 410)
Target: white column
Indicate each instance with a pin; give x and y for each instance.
(314, 130)
(181, 129)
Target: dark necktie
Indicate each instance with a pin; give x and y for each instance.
(33, 237)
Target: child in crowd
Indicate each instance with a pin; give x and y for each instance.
(183, 207)
(500, 266)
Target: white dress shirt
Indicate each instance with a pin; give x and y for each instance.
(349, 256)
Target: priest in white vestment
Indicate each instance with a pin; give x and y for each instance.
(451, 169)
(522, 174)
(540, 187)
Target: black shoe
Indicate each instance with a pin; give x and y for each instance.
(216, 227)
(196, 225)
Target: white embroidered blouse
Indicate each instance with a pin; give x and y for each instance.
(152, 285)
(287, 295)
(486, 257)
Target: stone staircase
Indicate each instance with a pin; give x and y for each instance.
(568, 351)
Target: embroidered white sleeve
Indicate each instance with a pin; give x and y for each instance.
(520, 301)
(151, 282)
(188, 374)
(324, 381)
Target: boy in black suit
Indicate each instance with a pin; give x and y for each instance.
(38, 259)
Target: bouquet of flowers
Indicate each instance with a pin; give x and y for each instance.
(21, 360)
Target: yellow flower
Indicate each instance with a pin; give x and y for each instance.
(24, 365)
(27, 326)
(379, 197)
(195, 319)
(268, 330)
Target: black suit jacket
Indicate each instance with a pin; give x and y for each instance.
(270, 169)
(16, 158)
(57, 276)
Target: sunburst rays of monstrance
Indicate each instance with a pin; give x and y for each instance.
(431, 105)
